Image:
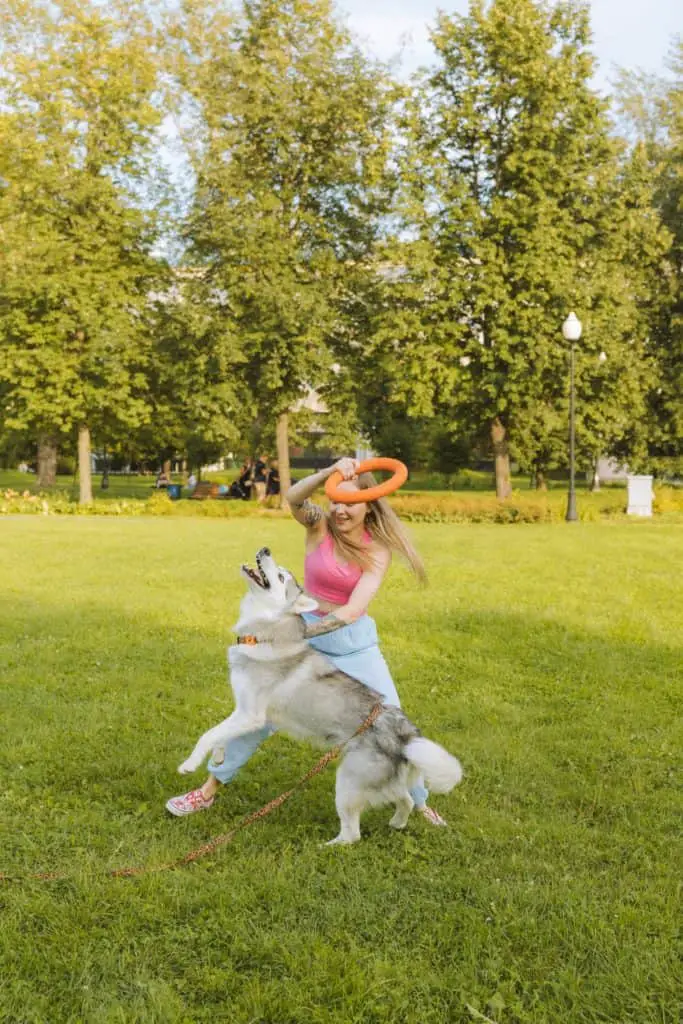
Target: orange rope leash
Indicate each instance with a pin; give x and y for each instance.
(226, 837)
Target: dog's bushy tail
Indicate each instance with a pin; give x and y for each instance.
(440, 769)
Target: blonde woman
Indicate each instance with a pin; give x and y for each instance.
(348, 552)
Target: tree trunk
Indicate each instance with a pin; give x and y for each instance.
(595, 476)
(47, 461)
(167, 468)
(540, 481)
(502, 459)
(84, 474)
(282, 441)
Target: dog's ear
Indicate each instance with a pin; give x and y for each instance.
(304, 603)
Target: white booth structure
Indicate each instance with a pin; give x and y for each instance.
(640, 495)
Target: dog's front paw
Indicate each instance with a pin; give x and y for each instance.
(187, 767)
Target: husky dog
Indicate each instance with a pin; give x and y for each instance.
(277, 677)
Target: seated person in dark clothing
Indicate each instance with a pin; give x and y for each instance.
(273, 482)
(242, 486)
(260, 474)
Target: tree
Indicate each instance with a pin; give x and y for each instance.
(290, 162)
(78, 120)
(511, 217)
(651, 114)
(198, 402)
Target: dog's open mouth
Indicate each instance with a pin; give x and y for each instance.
(256, 575)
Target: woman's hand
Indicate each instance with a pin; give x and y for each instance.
(299, 493)
(347, 467)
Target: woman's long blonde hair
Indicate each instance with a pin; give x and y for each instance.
(384, 527)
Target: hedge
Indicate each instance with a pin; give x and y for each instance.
(426, 507)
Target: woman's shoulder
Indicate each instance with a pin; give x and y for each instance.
(379, 553)
(318, 536)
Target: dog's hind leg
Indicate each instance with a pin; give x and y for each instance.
(349, 819)
(403, 808)
(350, 803)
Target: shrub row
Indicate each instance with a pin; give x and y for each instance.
(414, 507)
(158, 504)
(518, 508)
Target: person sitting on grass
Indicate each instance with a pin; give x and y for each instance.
(348, 551)
(273, 481)
(260, 475)
(245, 480)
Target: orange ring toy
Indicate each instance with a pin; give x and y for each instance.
(400, 476)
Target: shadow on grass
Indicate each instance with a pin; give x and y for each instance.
(97, 706)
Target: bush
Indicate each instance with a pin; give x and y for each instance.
(425, 507)
(443, 508)
(22, 503)
(463, 480)
(158, 504)
(668, 499)
(66, 465)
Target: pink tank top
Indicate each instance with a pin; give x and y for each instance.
(325, 578)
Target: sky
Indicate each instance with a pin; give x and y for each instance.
(627, 33)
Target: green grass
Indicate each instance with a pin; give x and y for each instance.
(547, 657)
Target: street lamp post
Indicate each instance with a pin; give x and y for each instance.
(571, 331)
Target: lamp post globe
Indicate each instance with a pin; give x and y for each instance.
(571, 332)
(571, 328)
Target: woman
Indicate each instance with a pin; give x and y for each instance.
(348, 552)
(245, 479)
(273, 482)
(260, 478)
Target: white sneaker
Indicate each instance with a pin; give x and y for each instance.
(432, 816)
(189, 803)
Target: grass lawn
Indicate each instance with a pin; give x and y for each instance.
(548, 658)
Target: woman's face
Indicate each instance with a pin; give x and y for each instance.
(348, 518)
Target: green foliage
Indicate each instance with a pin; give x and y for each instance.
(78, 119)
(24, 501)
(652, 113)
(200, 403)
(518, 508)
(667, 499)
(410, 253)
(515, 209)
(290, 155)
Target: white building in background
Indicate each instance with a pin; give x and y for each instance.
(218, 467)
(609, 470)
(363, 451)
(311, 401)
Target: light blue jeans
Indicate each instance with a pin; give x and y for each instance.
(353, 649)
